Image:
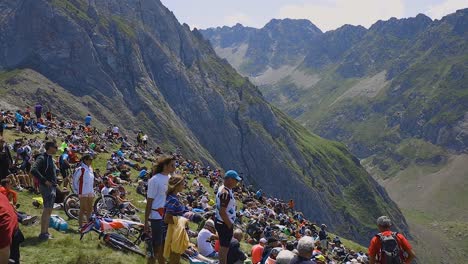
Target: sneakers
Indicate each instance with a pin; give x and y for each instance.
(45, 236)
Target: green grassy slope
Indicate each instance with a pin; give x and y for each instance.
(66, 247)
(26, 87)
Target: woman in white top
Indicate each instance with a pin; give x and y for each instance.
(155, 201)
(83, 184)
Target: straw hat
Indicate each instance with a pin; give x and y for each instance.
(174, 181)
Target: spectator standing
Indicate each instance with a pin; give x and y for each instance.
(83, 183)
(173, 207)
(323, 237)
(6, 161)
(38, 111)
(389, 242)
(88, 119)
(44, 170)
(226, 213)
(156, 199)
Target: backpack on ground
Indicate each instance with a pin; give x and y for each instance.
(390, 249)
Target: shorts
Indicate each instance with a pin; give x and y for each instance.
(224, 233)
(158, 232)
(48, 195)
(87, 195)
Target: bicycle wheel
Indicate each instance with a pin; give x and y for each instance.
(132, 234)
(71, 206)
(105, 205)
(119, 241)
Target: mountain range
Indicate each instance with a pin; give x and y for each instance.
(396, 94)
(132, 64)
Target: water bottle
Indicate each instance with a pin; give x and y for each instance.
(53, 222)
(62, 226)
(149, 246)
(58, 223)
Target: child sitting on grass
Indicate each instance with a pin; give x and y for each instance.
(125, 206)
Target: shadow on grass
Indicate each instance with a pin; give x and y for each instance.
(32, 241)
(72, 231)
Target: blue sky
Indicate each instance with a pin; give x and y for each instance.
(326, 14)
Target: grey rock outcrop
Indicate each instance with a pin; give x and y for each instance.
(135, 59)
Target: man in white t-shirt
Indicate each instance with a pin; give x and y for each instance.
(204, 239)
(156, 198)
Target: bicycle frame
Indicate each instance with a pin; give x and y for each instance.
(100, 225)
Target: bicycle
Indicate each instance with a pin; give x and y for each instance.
(116, 240)
(103, 205)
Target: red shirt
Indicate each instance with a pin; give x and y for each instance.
(375, 245)
(8, 222)
(10, 194)
(257, 252)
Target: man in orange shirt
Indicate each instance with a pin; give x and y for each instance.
(257, 251)
(5, 188)
(387, 242)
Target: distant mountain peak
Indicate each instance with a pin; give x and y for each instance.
(292, 24)
(403, 27)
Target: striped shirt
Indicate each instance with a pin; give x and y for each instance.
(173, 206)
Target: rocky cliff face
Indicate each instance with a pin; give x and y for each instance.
(280, 42)
(407, 76)
(139, 67)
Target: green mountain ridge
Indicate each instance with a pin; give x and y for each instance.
(405, 75)
(396, 95)
(132, 64)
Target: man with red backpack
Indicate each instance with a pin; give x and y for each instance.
(389, 247)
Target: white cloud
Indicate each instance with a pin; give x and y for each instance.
(331, 14)
(445, 8)
(233, 19)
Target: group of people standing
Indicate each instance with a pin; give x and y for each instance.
(166, 214)
(163, 205)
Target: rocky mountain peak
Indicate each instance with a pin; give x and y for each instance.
(402, 28)
(134, 60)
(304, 25)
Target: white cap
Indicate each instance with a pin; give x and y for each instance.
(210, 223)
(263, 240)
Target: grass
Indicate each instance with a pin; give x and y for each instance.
(358, 200)
(66, 247)
(73, 8)
(124, 26)
(419, 149)
(450, 235)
